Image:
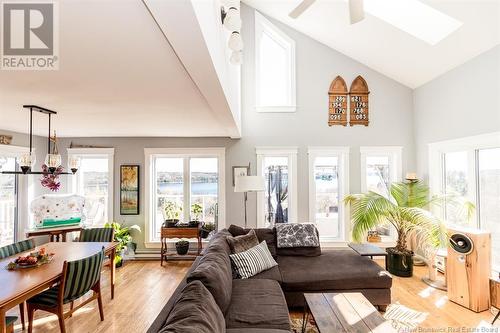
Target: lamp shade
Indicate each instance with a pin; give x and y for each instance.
(249, 184)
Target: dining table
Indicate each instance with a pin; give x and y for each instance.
(20, 284)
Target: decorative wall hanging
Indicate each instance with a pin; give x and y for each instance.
(358, 97)
(337, 102)
(5, 139)
(129, 190)
(240, 171)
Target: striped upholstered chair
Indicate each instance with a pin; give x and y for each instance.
(13, 249)
(97, 235)
(77, 278)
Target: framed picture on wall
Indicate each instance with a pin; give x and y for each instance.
(240, 171)
(129, 190)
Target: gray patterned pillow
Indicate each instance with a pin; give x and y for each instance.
(296, 235)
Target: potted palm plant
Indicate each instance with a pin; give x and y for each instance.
(405, 210)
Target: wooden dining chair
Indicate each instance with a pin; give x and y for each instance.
(9, 323)
(77, 278)
(97, 235)
(13, 249)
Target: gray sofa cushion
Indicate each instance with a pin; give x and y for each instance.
(218, 243)
(195, 311)
(242, 243)
(256, 330)
(263, 234)
(270, 274)
(214, 271)
(341, 269)
(257, 303)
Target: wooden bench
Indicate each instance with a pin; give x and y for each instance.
(344, 312)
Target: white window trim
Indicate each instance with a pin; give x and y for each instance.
(291, 154)
(262, 24)
(436, 171)
(395, 155)
(97, 152)
(25, 190)
(470, 145)
(150, 153)
(342, 154)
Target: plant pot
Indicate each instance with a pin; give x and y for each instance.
(193, 224)
(170, 223)
(204, 233)
(399, 264)
(181, 248)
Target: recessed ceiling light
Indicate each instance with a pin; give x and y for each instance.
(414, 17)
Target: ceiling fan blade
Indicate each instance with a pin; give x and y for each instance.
(356, 11)
(302, 7)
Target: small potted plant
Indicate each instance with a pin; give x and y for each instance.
(207, 229)
(196, 211)
(172, 211)
(182, 247)
(123, 238)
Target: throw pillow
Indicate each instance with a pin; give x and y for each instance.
(195, 311)
(242, 243)
(267, 234)
(253, 261)
(296, 235)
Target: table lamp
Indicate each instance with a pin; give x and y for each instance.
(247, 184)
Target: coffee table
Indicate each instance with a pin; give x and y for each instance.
(369, 250)
(344, 312)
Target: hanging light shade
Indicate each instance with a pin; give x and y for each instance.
(232, 19)
(235, 42)
(53, 161)
(73, 164)
(236, 58)
(27, 162)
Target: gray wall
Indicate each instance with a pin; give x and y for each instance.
(463, 102)
(317, 65)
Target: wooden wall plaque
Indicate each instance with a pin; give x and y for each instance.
(359, 114)
(337, 100)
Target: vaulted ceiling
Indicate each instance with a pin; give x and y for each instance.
(387, 49)
(120, 76)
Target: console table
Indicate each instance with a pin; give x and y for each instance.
(344, 312)
(369, 250)
(179, 232)
(56, 233)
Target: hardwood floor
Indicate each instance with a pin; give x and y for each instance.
(143, 287)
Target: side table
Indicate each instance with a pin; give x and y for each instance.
(369, 250)
(179, 232)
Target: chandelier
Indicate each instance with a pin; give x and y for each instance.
(53, 159)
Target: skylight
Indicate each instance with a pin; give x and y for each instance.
(414, 17)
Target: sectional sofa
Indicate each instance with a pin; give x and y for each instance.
(260, 304)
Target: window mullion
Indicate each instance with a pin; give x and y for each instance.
(187, 189)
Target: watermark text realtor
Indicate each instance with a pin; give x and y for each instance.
(30, 35)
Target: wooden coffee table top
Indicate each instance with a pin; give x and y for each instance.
(346, 312)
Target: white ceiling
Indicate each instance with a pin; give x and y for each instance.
(118, 76)
(389, 50)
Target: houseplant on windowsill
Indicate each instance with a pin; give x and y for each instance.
(406, 211)
(182, 247)
(172, 212)
(196, 211)
(123, 238)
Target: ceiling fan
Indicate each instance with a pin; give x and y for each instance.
(356, 10)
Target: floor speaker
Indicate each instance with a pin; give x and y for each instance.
(468, 268)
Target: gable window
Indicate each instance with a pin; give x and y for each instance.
(328, 184)
(380, 167)
(94, 181)
(470, 169)
(278, 202)
(274, 68)
(190, 180)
